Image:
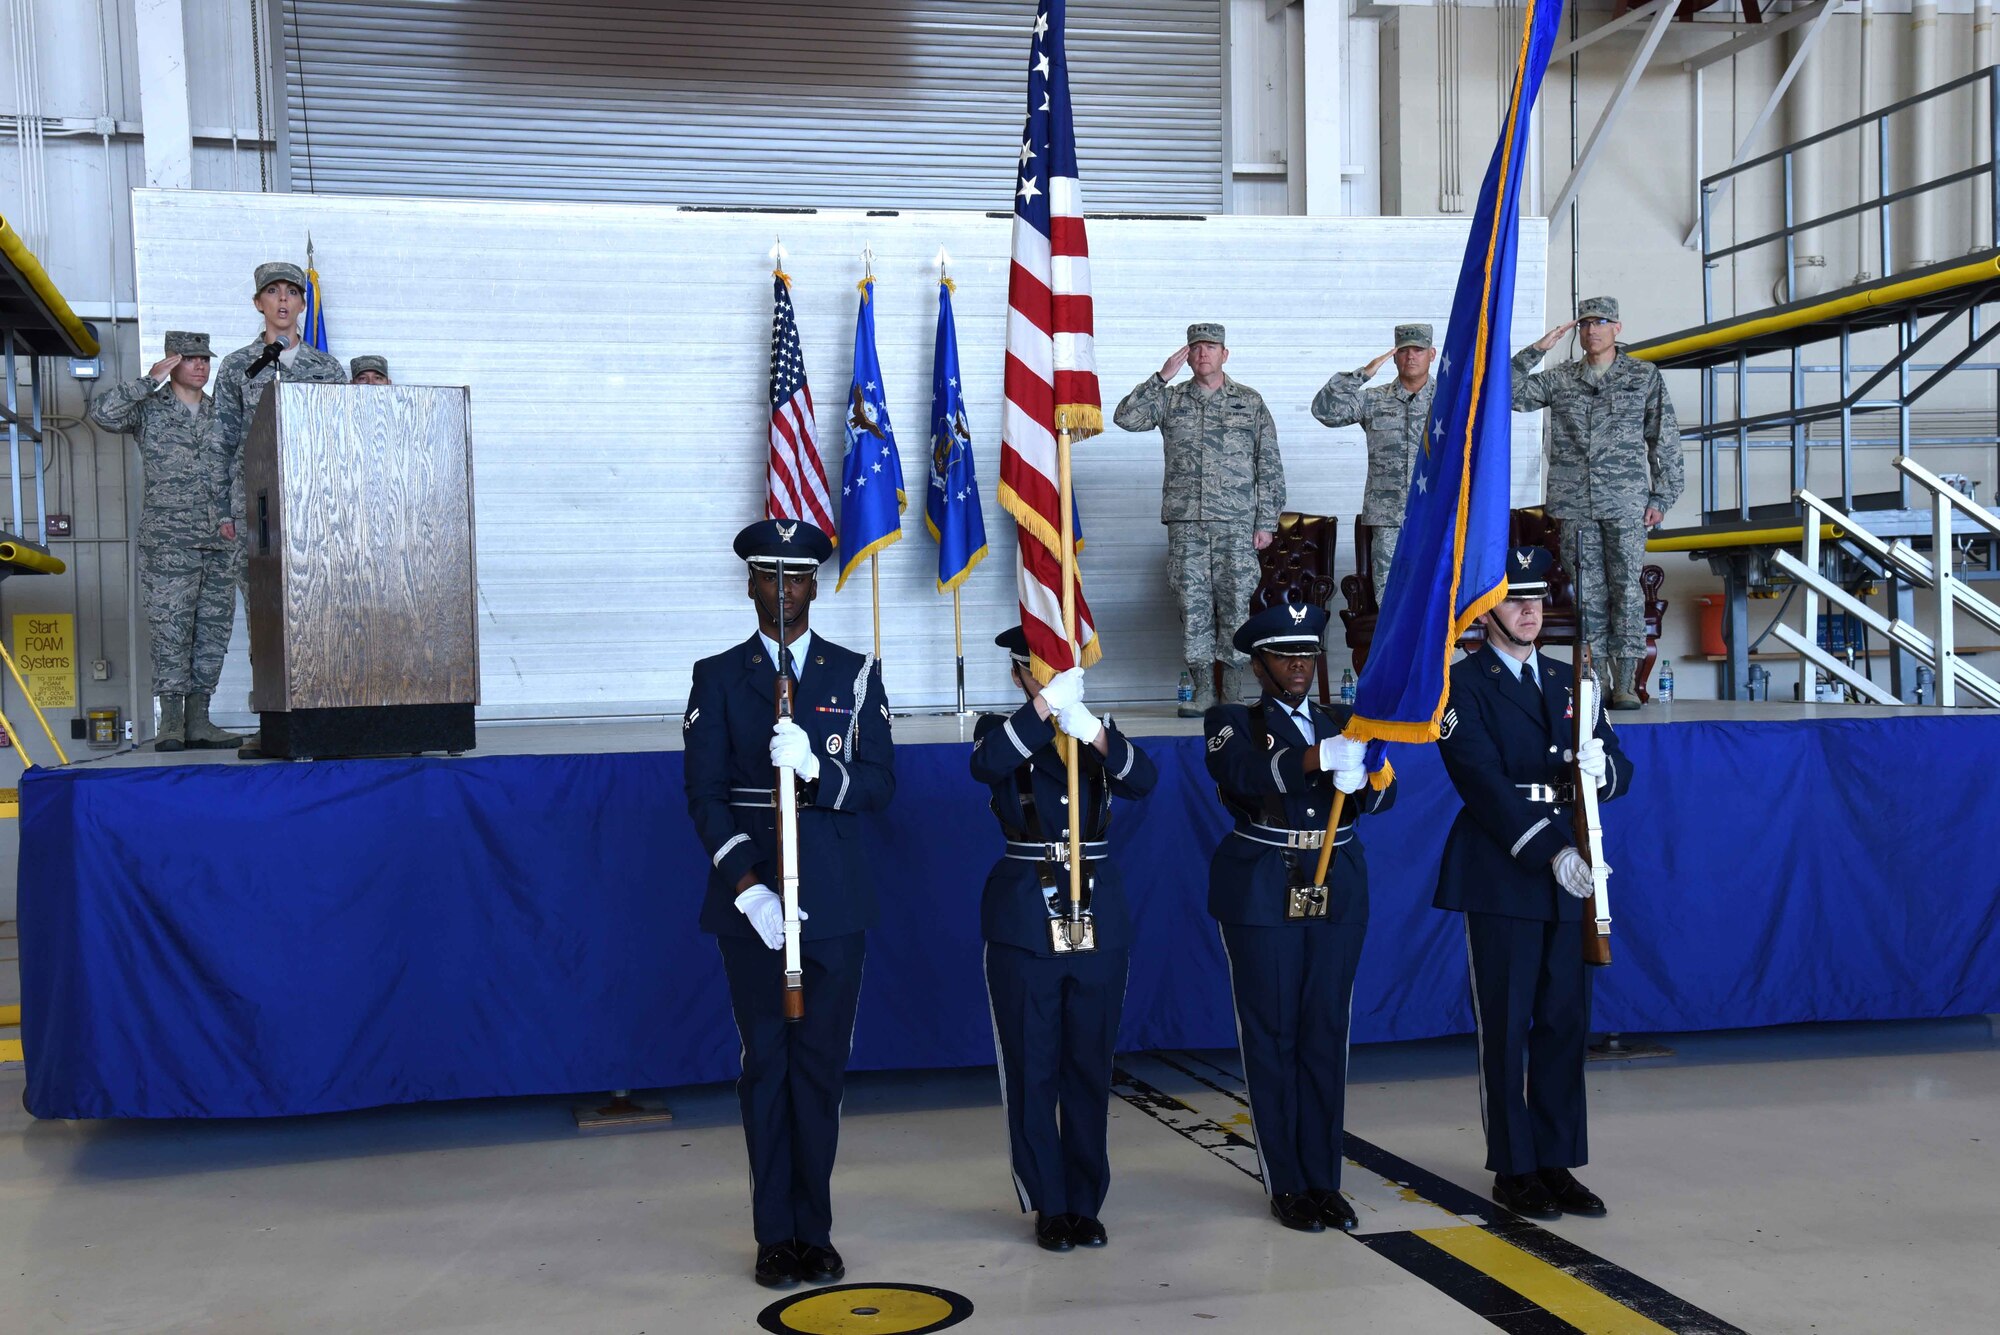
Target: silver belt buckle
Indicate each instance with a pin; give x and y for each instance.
(1306, 838)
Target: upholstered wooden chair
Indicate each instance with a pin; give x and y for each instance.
(1298, 568)
(1528, 527)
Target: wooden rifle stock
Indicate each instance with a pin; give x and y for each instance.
(786, 793)
(1587, 832)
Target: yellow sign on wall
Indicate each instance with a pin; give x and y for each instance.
(45, 651)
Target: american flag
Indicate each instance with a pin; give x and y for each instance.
(1051, 378)
(796, 488)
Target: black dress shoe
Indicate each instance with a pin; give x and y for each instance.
(1297, 1210)
(1570, 1195)
(1334, 1211)
(1085, 1231)
(818, 1265)
(1523, 1193)
(777, 1266)
(1052, 1232)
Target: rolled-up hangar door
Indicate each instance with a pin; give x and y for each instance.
(827, 103)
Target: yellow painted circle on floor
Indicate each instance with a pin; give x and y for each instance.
(867, 1309)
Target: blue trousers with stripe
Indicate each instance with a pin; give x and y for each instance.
(1055, 1027)
(1531, 1000)
(793, 1078)
(1294, 989)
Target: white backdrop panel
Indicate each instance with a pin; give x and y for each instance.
(617, 356)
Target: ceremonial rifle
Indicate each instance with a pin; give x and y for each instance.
(788, 824)
(1588, 833)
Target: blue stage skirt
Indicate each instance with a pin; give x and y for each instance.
(224, 941)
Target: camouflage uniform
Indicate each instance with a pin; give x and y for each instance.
(187, 569)
(1225, 483)
(1394, 421)
(1614, 450)
(236, 400)
(357, 366)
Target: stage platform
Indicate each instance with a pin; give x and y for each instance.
(211, 937)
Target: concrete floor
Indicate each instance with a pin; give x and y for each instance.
(1816, 1179)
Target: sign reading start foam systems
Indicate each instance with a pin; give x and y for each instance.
(45, 651)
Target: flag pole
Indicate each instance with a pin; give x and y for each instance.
(958, 646)
(1072, 761)
(875, 596)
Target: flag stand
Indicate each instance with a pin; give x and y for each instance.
(1075, 925)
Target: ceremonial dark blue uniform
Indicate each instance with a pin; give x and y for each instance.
(1506, 748)
(1293, 980)
(1055, 1016)
(793, 1074)
(1292, 975)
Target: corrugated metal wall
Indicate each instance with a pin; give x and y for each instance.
(618, 357)
(835, 103)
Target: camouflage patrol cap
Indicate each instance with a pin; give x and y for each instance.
(1598, 308)
(180, 343)
(279, 271)
(1206, 332)
(369, 362)
(1413, 336)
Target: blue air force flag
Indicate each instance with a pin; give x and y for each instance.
(871, 474)
(951, 507)
(1450, 562)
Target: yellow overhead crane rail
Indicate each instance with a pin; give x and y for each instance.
(1888, 293)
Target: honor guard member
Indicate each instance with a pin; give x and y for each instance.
(838, 746)
(1055, 1007)
(370, 370)
(189, 558)
(1394, 417)
(1224, 490)
(279, 292)
(1292, 946)
(1615, 469)
(1510, 868)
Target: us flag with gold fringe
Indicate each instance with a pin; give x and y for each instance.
(1051, 379)
(796, 486)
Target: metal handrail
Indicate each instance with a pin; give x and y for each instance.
(1879, 113)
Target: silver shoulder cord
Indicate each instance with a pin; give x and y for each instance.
(860, 700)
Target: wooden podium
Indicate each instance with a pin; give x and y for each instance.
(363, 633)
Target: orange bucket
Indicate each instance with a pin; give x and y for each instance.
(1713, 607)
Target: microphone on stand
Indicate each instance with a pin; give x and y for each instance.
(266, 357)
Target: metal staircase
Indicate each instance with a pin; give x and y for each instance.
(1836, 379)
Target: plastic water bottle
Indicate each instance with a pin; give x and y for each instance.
(1666, 691)
(1186, 693)
(1347, 686)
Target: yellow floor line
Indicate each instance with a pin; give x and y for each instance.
(1541, 1283)
(10, 1014)
(10, 1050)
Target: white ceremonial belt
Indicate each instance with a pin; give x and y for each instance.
(1094, 850)
(1278, 836)
(1554, 794)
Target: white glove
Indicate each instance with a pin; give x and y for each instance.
(1080, 723)
(1590, 759)
(1573, 873)
(1350, 780)
(1337, 753)
(1064, 690)
(766, 912)
(791, 749)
